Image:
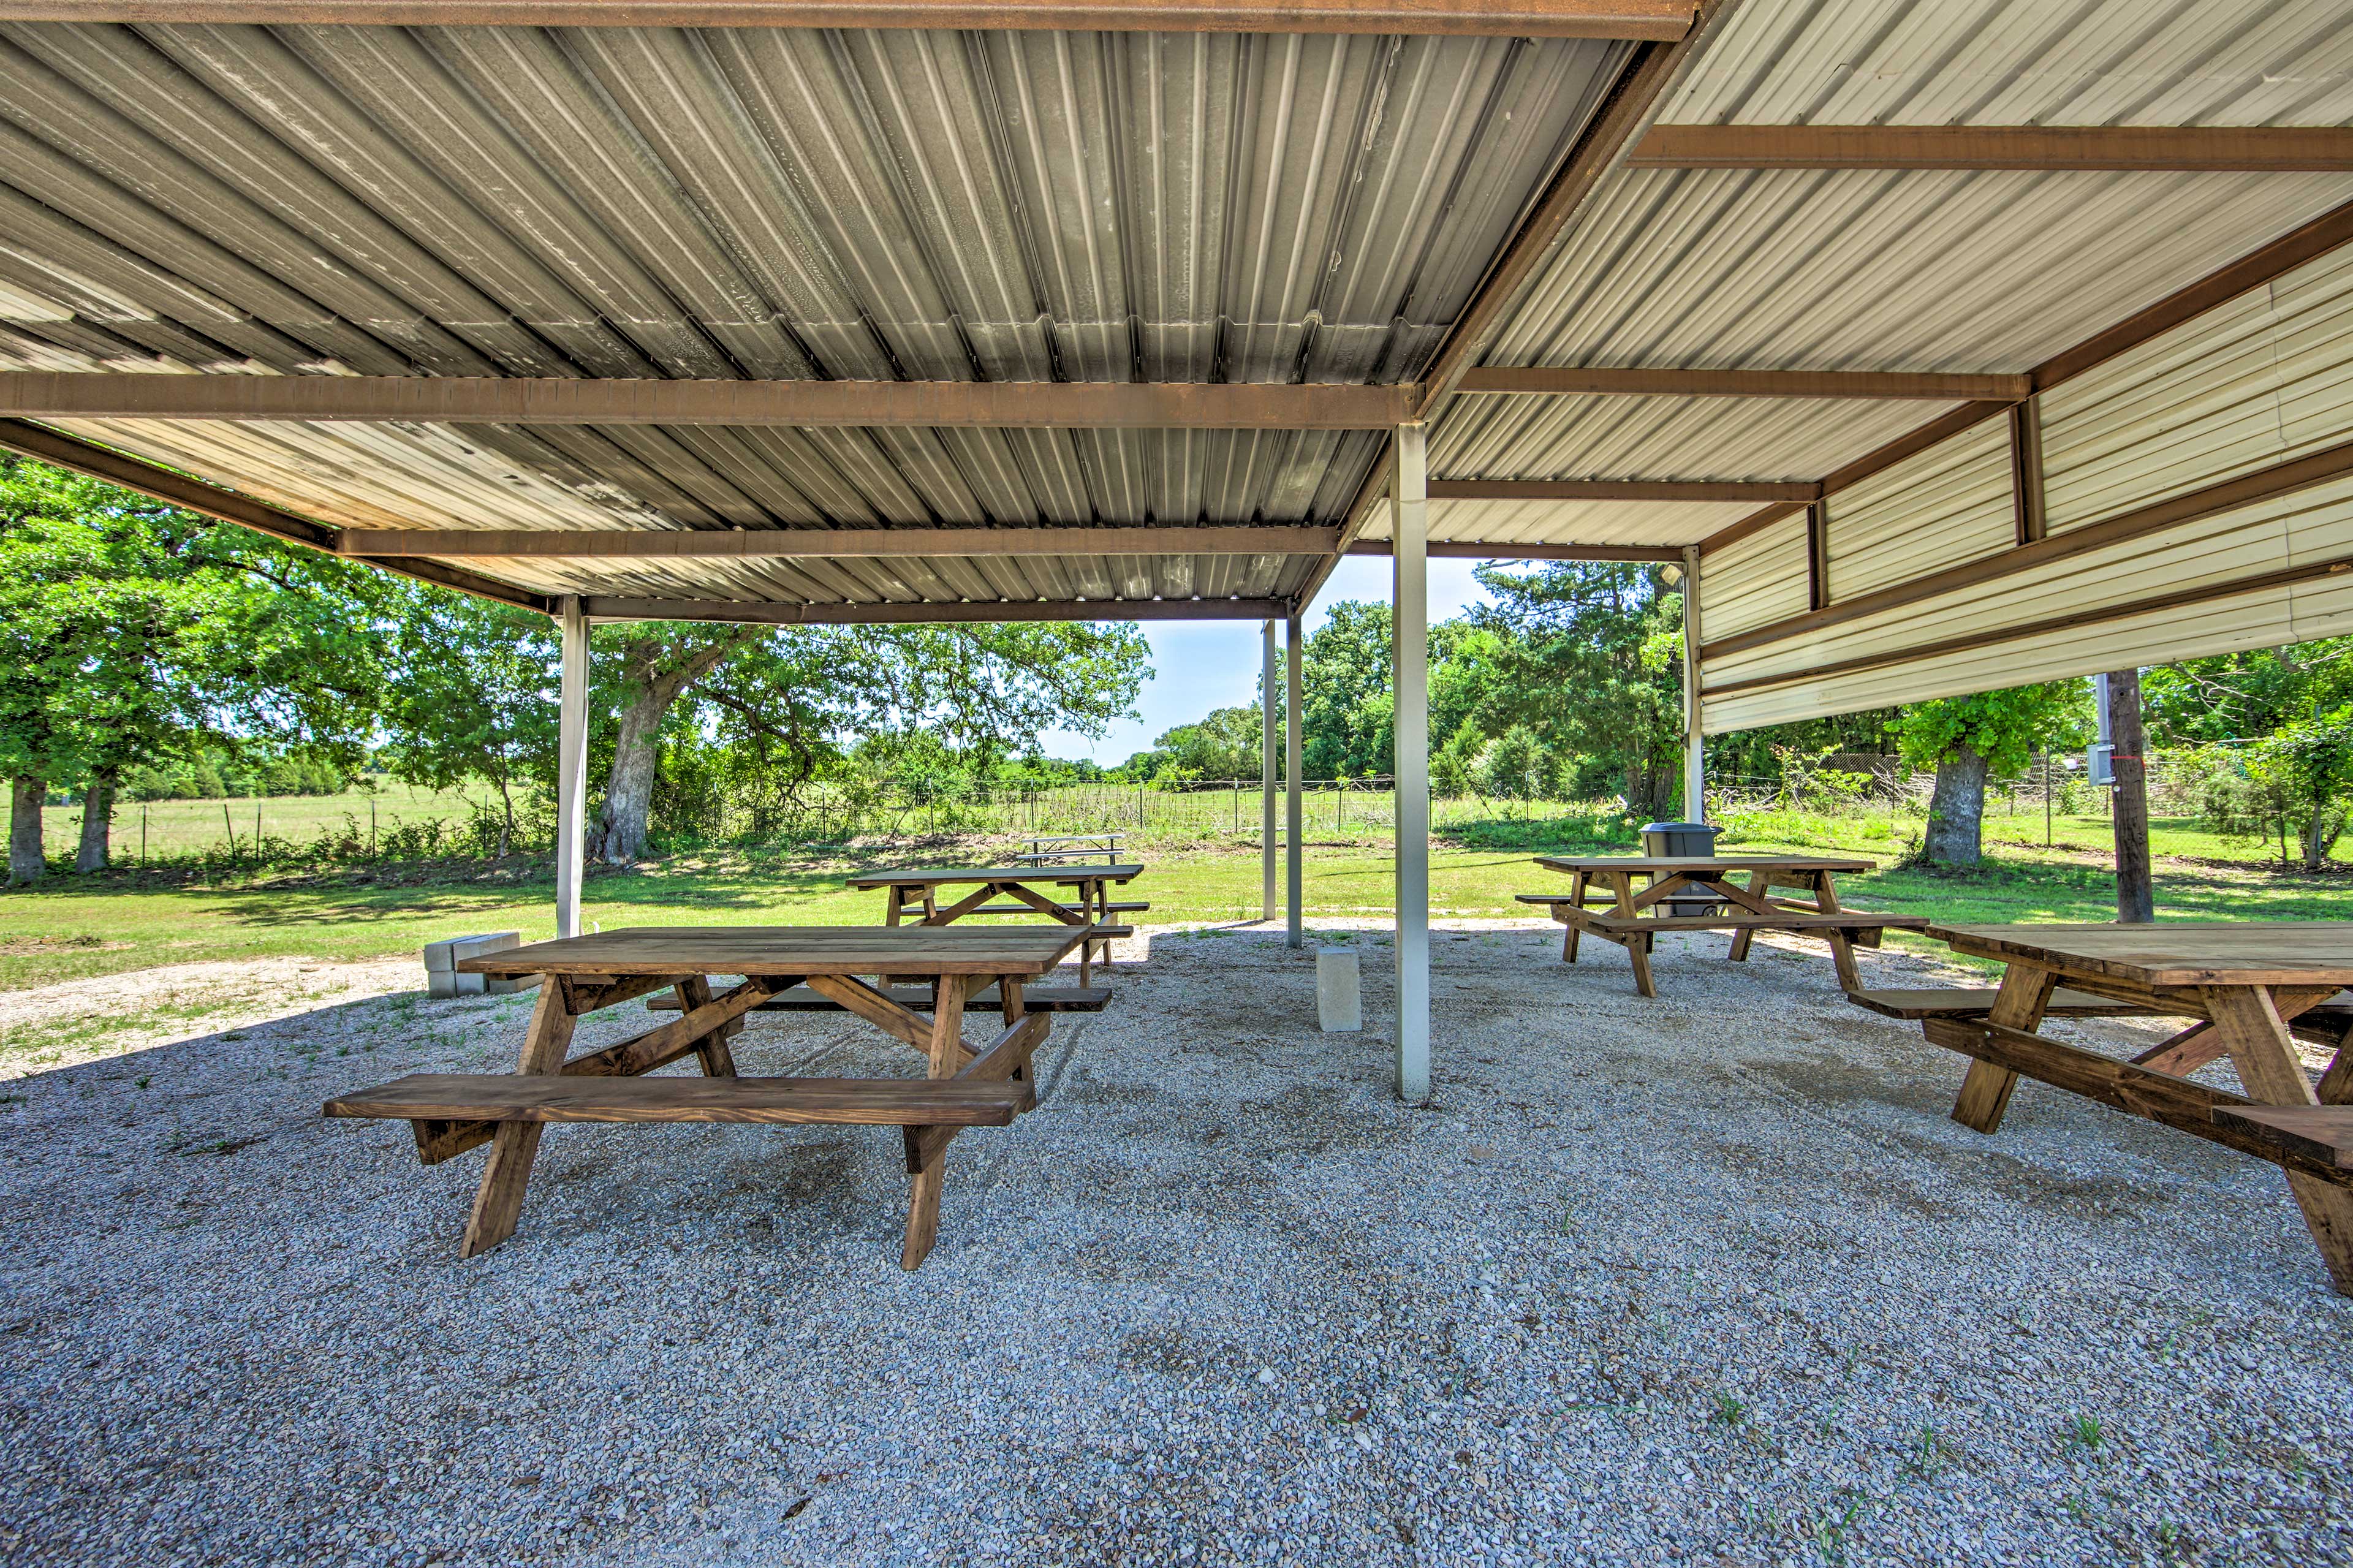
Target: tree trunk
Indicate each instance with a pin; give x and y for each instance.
(620, 835)
(506, 818)
(630, 787)
(28, 794)
(1956, 810)
(97, 821)
(2136, 894)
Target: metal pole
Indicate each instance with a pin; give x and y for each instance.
(1694, 739)
(571, 766)
(1294, 826)
(1266, 770)
(1410, 637)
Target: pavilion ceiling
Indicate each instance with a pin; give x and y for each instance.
(1745, 238)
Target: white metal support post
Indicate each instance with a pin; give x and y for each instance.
(571, 766)
(1294, 817)
(1409, 635)
(1695, 742)
(1266, 770)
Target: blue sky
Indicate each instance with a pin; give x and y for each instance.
(1200, 665)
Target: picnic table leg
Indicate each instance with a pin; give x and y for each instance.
(1008, 996)
(1985, 1092)
(498, 1203)
(1760, 882)
(718, 1061)
(1850, 978)
(2272, 1073)
(1577, 900)
(1638, 949)
(923, 1202)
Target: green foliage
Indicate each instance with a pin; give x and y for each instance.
(2277, 728)
(1220, 747)
(470, 702)
(1346, 714)
(133, 634)
(2004, 727)
(1586, 657)
(1515, 766)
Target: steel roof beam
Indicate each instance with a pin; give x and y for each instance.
(1625, 490)
(1869, 384)
(2154, 149)
(554, 400)
(1478, 550)
(1667, 19)
(821, 543)
(750, 611)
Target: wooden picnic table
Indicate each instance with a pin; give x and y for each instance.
(2246, 982)
(1632, 919)
(987, 1086)
(921, 888)
(1071, 846)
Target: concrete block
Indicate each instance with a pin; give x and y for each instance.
(1339, 991)
(443, 978)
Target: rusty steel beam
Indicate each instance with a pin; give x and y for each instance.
(2152, 149)
(554, 400)
(1624, 489)
(1877, 386)
(757, 613)
(64, 451)
(1459, 550)
(1666, 19)
(2214, 500)
(822, 543)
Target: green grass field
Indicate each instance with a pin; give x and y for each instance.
(186, 830)
(71, 928)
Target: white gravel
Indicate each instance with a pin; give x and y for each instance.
(1709, 1278)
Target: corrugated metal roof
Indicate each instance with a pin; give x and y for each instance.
(2023, 62)
(770, 203)
(1972, 272)
(1506, 438)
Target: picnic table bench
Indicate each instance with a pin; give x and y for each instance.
(1023, 890)
(2253, 988)
(1676, 882)
(966, 1086)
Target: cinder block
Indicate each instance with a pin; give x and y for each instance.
(443, 978)
(1339, 991)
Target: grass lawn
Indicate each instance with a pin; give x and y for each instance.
(69, 928)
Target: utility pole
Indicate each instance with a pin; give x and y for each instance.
(2135, 897)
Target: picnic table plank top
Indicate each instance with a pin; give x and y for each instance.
(1703, 862)
(2183, 954)
(1028, 951)
(941, 876)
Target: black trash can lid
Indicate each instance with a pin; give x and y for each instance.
(1680, 827)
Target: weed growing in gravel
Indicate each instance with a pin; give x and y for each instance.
(2086, 1431)
(1830, 1528)
(1729, 1411)
(1930, 1453)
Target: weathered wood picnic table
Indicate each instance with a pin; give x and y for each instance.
(1024, 885)
(966, 1087)
(2248, 984)
(1071, 846)
(1632, 919)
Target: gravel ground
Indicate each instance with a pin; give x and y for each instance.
(1706, 1278)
